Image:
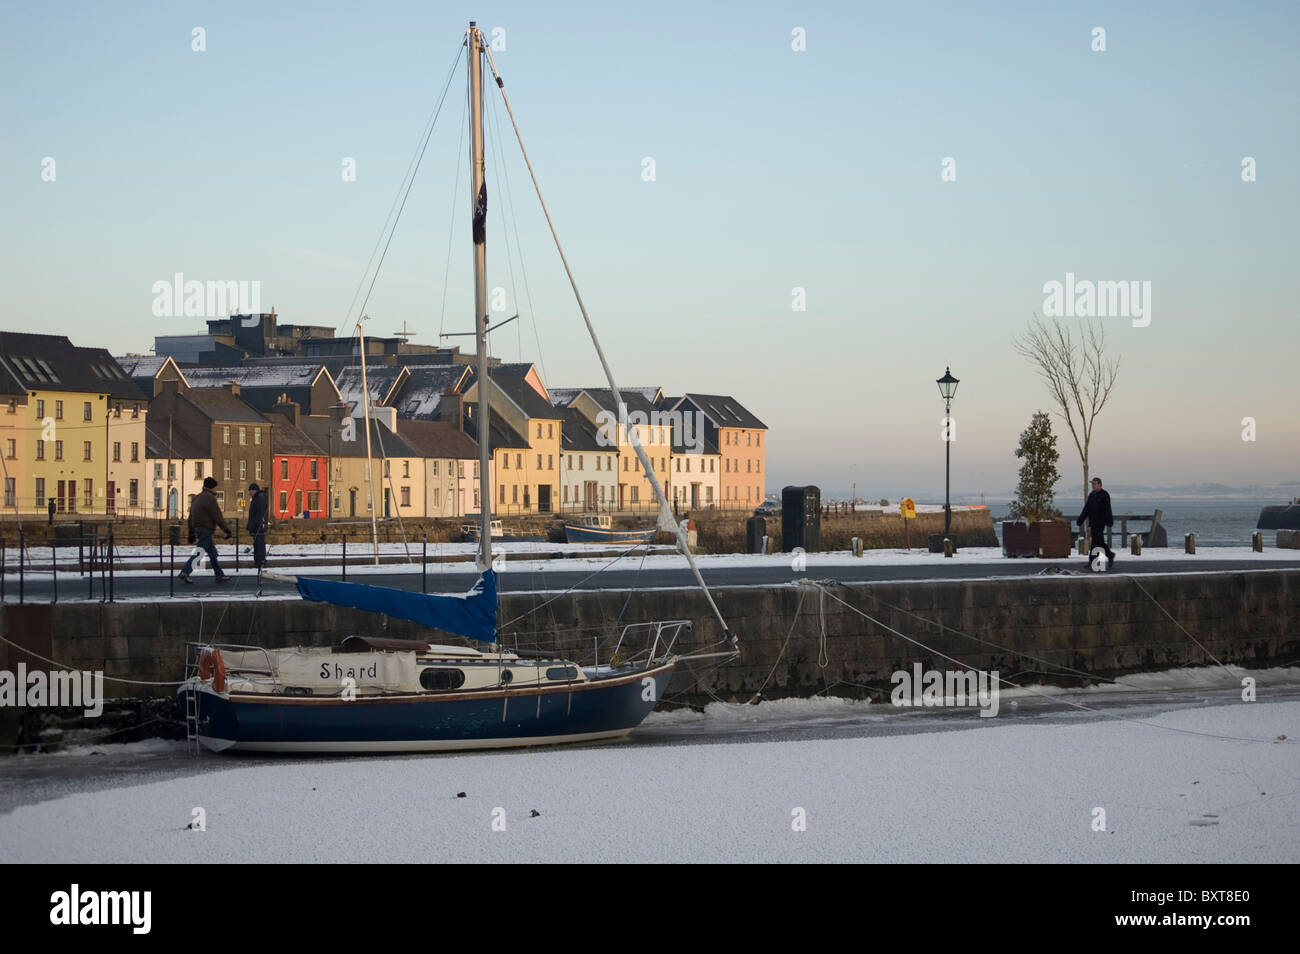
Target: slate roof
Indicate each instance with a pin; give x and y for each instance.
(379, 379)
(290, 441)
(438, 439)
(579, 434)
(522, 394)
(318, 430)
(502, 436)
(256, 376)
(53, 363)
(222, 406)
(722, 410)
(179, 445)
(421, 393)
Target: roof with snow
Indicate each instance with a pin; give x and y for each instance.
(722, 410)
(438, 439)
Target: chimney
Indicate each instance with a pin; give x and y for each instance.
(450, 409)
(233, 388)
(290, 410)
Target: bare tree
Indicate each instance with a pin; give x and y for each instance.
(1077, 372)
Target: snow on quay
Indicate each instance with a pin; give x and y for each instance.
(1183, 787)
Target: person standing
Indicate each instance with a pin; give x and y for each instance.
(258, 523)
(205, 518)
(1097, 512)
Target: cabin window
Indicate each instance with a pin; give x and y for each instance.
(562, 673)
(434, 679)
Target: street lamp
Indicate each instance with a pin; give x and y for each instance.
(947, 388)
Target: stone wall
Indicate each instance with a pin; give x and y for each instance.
(1032, 628)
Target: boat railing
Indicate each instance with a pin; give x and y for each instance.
(194, 654)
(648, 643)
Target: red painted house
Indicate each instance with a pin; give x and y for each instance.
(299, 467)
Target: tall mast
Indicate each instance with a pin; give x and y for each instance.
(478, 204)
(370, 477)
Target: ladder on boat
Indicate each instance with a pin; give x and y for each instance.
(192, 654)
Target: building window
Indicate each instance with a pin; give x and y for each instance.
(257, 435)
(13, 405)
(386, 473)
(11, 448)
(406, 496)
(315, 472)
(406, 468)
(297, 502)
(11, 492)
(58, 450)
(476, 504)
(284, 468)
(519, 461)
(636, 494)
(284, 501)
(225, 433)
(85, 450)
(566, 493)
(171, 471)
(550, 431)
(88, 486)
(133, 493)
(40, 450)
(625, 464)
(117, 452)
(58, 410)
(313, 501)
(40, 407)
(117, 409)
(435, 497)
(243, 436)
(135, 410)
(539, 461)
(86, 413)
(157, 499)
(550, 462)
(434, 472)
(40, 491)
(502, 495)
(157, 471)
(580, 462)
(135, 452)
(257, 470)
(539, 430)
(225, 469)
(514, 493)
(243, 470)
(198, 470)
(505, 461)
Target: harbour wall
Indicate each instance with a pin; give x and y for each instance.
(1036, 629)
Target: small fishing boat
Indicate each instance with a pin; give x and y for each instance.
(599, 528)
(470, 533)
(374, 694)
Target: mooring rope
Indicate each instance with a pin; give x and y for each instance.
(67, 668)
(1031, 689)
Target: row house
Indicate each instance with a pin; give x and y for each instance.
(526, 479)
(614, 431)
(176, 464)
(299, 467)
(227, 431)
(392, 469)
(589, 467)
(738, 437)
(73, 427)
(451, 466)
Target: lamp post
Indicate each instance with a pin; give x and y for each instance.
(947, 388)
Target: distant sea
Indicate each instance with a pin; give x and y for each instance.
(1216, 523)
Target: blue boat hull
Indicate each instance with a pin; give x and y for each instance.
(577, 534)
(576, 712)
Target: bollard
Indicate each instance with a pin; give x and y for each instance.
(1082, 543)
(948, 548)
(1137, 544)
(857, 546)
(1257, 542)
(1189, 543)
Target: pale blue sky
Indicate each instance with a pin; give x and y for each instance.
(775, 169)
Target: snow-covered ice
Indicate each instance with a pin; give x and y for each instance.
(1012, 792)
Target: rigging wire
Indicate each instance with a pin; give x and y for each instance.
(451, 228)
(408, 180)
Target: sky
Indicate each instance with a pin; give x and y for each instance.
(774, 169)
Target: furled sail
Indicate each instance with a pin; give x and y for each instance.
(472, 614)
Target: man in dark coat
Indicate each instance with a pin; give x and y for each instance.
(205, 518)
(258, 513)
(1097, 512)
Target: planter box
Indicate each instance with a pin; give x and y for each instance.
(1016, 540)
(1051, 539)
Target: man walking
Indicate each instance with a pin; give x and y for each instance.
(205, 517)
(1097, 512)
(258, 509)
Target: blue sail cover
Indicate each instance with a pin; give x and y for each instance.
(473, 614)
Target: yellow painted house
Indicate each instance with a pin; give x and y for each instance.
(72, 427)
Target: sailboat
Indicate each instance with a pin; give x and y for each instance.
(376, 694)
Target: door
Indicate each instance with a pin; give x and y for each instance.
(173, 504)
(112, 496)
(589, 495)
(695, 496)
(63, 500)
(544, 498)
(352, 502)
(386, 513)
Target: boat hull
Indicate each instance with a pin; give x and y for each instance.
(1284, 517)
(576, 712)
(578, 534)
